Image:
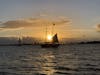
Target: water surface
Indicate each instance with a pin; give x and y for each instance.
(83, 59)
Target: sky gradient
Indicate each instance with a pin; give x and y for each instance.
(75, 18)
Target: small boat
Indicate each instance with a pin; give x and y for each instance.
(53, 44)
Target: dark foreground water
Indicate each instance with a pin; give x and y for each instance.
(65, 60)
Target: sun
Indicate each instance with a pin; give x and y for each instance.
(49, 37)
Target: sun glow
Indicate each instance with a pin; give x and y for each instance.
(49, 37)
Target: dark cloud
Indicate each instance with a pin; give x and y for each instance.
(16, 24)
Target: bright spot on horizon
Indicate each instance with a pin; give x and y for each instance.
(49, 37)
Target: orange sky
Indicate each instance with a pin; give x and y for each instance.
(73, 18)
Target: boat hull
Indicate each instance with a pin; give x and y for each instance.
(50, 45)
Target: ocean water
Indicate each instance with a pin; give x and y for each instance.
(79, 59)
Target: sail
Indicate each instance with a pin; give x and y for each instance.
(55, 39)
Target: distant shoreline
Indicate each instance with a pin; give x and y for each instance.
(90, 42)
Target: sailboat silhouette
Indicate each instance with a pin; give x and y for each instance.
(54, 43)
(19, 42)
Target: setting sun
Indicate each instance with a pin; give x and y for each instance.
(49, 37)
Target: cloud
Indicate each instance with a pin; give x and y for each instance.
(98, 27)
(33, 22)
(16, 24)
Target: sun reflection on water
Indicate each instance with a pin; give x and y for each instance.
(47, 63)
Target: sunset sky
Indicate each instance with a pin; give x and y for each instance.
(73, 18)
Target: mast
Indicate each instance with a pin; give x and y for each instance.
(20, 39)
(53, 28)
(55, 36)
(46, 34)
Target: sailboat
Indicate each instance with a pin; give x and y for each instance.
(53, 43)
(19, 42)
